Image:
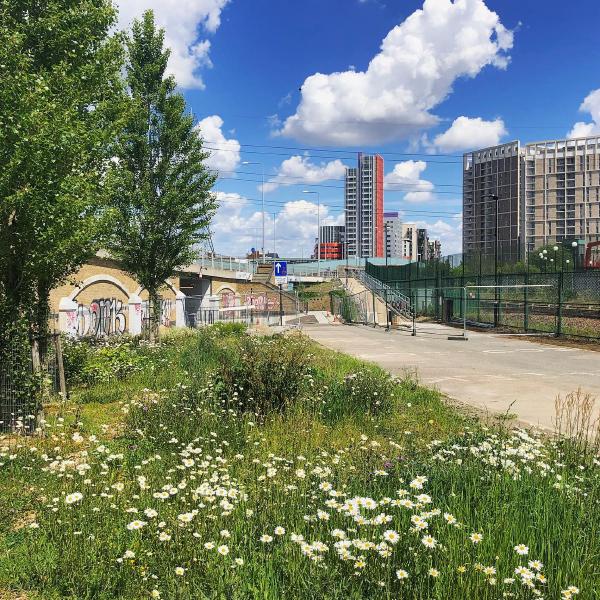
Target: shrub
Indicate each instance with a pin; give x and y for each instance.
(263, 374)
(366, 390)
(102, 360)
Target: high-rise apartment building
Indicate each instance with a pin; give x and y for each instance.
(491, 201)
(561, 191)
(364, 207)
(516, 199)
(393, 235)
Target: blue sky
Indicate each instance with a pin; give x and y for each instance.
(450, 76)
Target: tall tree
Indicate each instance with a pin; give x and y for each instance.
(60, 73)
(159, 184)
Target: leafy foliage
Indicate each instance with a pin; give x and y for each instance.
(93, 361)
(264, 374)
(60, 86)
(159, 184)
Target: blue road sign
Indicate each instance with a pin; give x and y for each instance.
(280, 268)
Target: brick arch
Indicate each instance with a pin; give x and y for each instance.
(95, 279)
(224, 288)
(178, 293)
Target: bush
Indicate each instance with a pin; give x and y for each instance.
(102, 360)
(367, 390)
(263, 374)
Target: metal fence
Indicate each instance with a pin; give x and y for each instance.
(252, 308)
(355, 308)
(559, 303)
(23, 381)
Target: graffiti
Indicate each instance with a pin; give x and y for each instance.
(166, 308)
(228, 300)
(261, 301)
(103, 317)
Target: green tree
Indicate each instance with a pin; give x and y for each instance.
(60, 73)
(159, 184)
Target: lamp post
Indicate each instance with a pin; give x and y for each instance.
(496, 299)
(262, 189)
(318, 229)
(387, 274)
(574, 246)
(274, 244)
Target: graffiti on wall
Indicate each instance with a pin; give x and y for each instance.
(228, 299)
(166, 308)
(261, 301)
(101, 318)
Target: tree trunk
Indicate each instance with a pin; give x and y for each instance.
(154, 316)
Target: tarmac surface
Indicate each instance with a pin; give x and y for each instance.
(491, 372)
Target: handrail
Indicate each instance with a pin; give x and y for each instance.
(380, 288)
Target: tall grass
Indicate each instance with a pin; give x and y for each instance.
(349, 484)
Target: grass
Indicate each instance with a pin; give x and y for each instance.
(181, 481)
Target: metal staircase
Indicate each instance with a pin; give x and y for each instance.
(397, 302)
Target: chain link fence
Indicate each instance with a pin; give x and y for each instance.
(559, 303)
(25, 379)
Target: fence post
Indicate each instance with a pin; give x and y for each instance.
(559, 305)
(526, 303)
(35, 356)
(374, 311)
(60, 365)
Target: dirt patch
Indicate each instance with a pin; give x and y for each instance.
(6, 595)
(22, 522)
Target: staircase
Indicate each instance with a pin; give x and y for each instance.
(263, 273)
(397, 303)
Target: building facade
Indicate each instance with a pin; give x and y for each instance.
(435, 250)
(519, 198)
(561, 192)
(363, 202)
(393, 235)
(490, 223)
(332, 242)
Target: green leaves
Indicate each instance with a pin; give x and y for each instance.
(60, 73)
(159, 186)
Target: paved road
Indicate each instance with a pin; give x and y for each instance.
(489, 371)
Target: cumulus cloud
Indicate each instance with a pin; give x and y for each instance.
(466, 133)
(406, 177)
(182, 21)
(418, 63)
(224, 153)
(237, 226)
(448, 231)
(299, 170)
(590, 105)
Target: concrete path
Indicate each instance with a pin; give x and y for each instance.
(488, 371)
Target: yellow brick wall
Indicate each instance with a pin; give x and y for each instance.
(99, 267)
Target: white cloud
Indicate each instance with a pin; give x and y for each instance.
(299, 170)
(237, 226)
(590, 105)
(406, 177)
(227, 157)
(419, 61)
(182, 21)
(449, 232)
(466, 133)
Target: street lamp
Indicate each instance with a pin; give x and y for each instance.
(318, 229)
(574, 247)
(262, 188)
(496, 308)
(387, 276)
